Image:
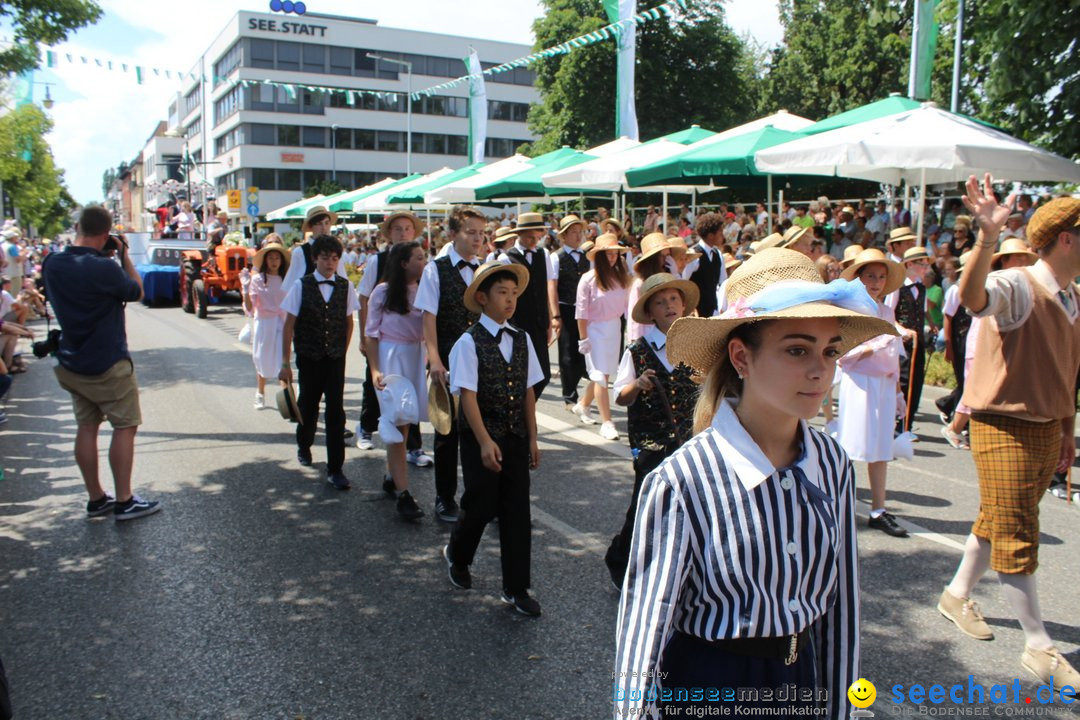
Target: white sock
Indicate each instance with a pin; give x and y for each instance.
(973, 566)
(877, 512)
(1022, 595)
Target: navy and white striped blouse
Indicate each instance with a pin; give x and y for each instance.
(725, 547)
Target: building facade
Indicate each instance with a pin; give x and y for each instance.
(283, 139)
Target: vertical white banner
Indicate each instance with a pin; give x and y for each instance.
(478, 111)
(623, 11)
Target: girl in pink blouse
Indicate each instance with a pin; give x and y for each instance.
(601, 302)
(395, 346)
(264, 295)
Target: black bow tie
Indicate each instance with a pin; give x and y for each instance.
(465, 263)
(504, 330)
(327, 282)
(656, 347)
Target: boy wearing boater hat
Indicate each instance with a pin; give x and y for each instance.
(567, 267)
(910, 310)
(318, 221)
(1021, 391)
(658, 395)
(494, 367)
(499, 240)
(534, 314)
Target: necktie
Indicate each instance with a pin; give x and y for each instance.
(1067, 301)
(817, 498)
(463, 263)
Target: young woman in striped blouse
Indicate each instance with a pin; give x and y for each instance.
(743, 569)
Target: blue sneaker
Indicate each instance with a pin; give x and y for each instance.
(338, 480)
(101, 506)
(136, 507)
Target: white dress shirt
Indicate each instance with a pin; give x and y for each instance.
(291, 303)
(297, 267)
(555, 257)
(626, 374)
(427, 296)
(463, 362)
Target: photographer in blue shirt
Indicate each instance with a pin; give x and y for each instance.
(88, 290)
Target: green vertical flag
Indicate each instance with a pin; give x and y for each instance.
(924, 44)
(626, 124)
(23, 88)
(478, 110)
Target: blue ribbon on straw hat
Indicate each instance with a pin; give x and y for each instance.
(847, 294)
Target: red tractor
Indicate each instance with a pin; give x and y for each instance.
(203, 278)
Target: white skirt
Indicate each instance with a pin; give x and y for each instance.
(603, 359)
(266, 346)
(867, 416)
(408, 360)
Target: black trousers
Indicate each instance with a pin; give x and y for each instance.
(539, 341)
(369, 413)
(618, 553)
(571, 362)
(489, 494)
(948, 403)
(322, 379)
(912, 370)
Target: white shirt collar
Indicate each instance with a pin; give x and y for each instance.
(455, 258)
(657, 338)
(706, 247)
(491, 326)
(1041, 271)
(743, 456)
(319, 276)
(522, 249)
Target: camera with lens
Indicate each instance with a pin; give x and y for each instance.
(49, 346)
(113, 243)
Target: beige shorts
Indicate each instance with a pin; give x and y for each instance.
(113, 395)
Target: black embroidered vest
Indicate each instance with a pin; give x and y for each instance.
(707, 278)
(532, 314)
(309, 262)
(501, 385)
(649, 424)
(911, 306)
(961, 324)
(320, 326)
(380, 266)
(453, 318)
(570, 273)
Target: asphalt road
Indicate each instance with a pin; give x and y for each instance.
(261, 592)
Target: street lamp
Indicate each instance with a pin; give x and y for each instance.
(47, 103)
(186, 162)
(408, 107)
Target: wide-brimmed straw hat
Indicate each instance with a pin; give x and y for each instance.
(1013, 246)
(652, 244)
(701, 343)
(915, 253)
(869, 257)
(384, 226)
(850, 253)
(585, 247)
(731, 262)
(273, 246)
(440, 407)
(568, 222)
(773, 240)
(900, 234)
(792, 235)
(764, 268)
(531, 221)
(504, 235)
(486, 270)
(287, 405)
(612, 221)
(607, 241)
(664, 281)
(317, 211)
(679, 247)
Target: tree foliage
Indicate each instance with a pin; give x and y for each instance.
(41, 21)
(323, 187)
(690, 69)
(28, 172)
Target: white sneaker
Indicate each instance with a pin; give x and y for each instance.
(363, 441)
(260, 401)
(608, 431)
(584, 414)
(419, 458)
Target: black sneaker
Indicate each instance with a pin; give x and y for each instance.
(101, 506)
(613, 571)
(446, 509)
(136, 507)
(522, 603)
(388, 487)
(348, 434)
(338, 480)
(460, 577)
(303, 457)
(407, 507)
(886, 523)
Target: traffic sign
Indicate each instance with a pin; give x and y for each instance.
(235, 198)
(253, 210)
(253, 195)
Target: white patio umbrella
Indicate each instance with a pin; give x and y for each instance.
(280, 213)
(378, 201)
(464, 191)
(924, 145)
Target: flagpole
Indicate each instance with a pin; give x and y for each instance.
(958, 51)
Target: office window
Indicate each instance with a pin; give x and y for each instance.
(228, 62)
(440, 67)
(341, 61)
(288, 180)
(285, 103)
(314, 58)
(391, 103)
(520, 112)
(228, 104)
(262, 134)
(314, 137)
(263, 178)
(311, 177)
(262, 53)
(313, 103)
(343, 137)
(363, 66)
(288, 56)
(457, 145)
(524, 76)
(288, 135)
(262, 97)
(364, 140)
(434, 144)
(389, 141)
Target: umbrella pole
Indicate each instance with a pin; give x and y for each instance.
(693, 203)
(907, 196)
(768, 200)
(664, 220)
(922, 204)
(581, 203)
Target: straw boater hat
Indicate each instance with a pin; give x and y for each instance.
(317, 211)
(272, 246)
(585, 247)
(774, 240)
(486, 270)
(701, 343)
(384, 227)
(568, 222)
(287, 406)
(652, 244)
(731, 262)
(679, 247)
(1050, 220)
(849, 254)
(664, 281)
(531, 221)
(899, 235)
(869, 257)
(612, 221)
(607, 241)
(1013, 246)
(504, 235)
(793, 235)
(440, 407)
(915, 253)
